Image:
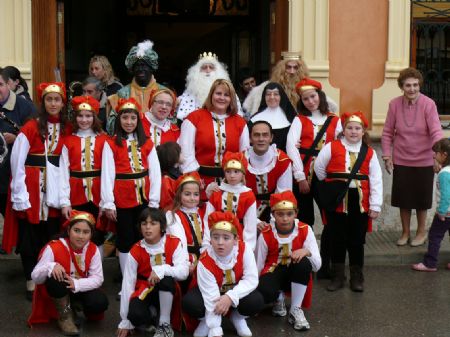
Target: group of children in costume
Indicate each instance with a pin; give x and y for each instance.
(210, 257)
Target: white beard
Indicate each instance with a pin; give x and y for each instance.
(199, 83)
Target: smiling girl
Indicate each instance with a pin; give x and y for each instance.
(351, 219)
(69, 269)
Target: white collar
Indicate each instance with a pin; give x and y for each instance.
(130, 136)
(163, 125)
(352, 147)
(239, 188)
(155, 247)
(262, 164)
(224, 262)
(85, 133)
(189, 210)
(219, 117)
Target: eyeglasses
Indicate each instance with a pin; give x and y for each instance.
(163, 103)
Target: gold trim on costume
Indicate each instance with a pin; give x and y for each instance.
(85, 106)
(53, 88)
(354, 118)
(189, 179)
(128, 105)
(234, 164)
(225, 226)
(84, 216)
(284, 205)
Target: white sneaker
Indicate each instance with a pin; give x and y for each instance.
(164, 330)
(297, 318)
(279, 308)
(202, 329)
(240, 324)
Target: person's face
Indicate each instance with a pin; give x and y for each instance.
(98, 71)
(440, 157)
(272, 97)
(221, 99)
(207, 68)
(91, 90)
(128, 121)
(285, 219)
(261, 138)
(353, 132)
(151, 231)
(411, 88)
(190, 195)
(222, 242)
(4, 89)
(162, 106)
(233, 176)
(53, 103)
(12, 84)
(79, 234)
(85, 119)
(248, 84)
(142, 73)
(291, 67)
(310, 99)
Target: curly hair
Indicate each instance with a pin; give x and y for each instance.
(409, 73)
(104, 62)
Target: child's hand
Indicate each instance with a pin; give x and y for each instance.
(153, 279)
(191, 269)
(441, 217)
(299, 254)
(70, 283)
(223, 304)
(65, 211)
(212, 187)
(111, 214)
(373, 214)
(260, 226)
(124, 332)
(303, 186)
(59, 273)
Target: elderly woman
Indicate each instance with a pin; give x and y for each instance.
(100, 68)
(207, 133)
(156, 122)
(412, 127)
(276, 109)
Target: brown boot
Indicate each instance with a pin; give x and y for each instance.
(356, 279)
(65, 321)
(338, 277)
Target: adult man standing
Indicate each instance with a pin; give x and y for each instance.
(287, 72)
(14, 111)
(269, 169)
(142, 62)
(199, 79)
(95, 88)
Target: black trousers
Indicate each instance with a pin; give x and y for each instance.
(140, 311)
(280, 279)
(306, 202)
(249, 305)
(92, 301)
(127, 227)
(98, 237)
(348, 232)
(32, 238)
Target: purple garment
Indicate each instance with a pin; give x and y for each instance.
(410, 131)
(435, 236)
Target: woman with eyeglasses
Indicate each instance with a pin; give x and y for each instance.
(157, 125)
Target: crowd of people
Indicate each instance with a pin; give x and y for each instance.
(211, 201)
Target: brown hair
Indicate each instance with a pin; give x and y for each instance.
(443, 146)
(96, 126)
(233, 107)
(176, 205)
(43, 118)
(168, 155)
(409, 73)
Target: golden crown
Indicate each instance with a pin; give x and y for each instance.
(291, 55)
(284, 205)
(208, 56)
(224, 226)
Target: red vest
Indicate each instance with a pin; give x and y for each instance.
(281, 165)
(205, 145)
(307, 137)
(144, 265)
(337, 164)
(188, 232)
(77, 190)
(43, 308)
(238, 269)
(170, 135)
(126, 194)
(275, 252)
(167, 192)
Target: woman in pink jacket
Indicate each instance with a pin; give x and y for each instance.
(412, 127)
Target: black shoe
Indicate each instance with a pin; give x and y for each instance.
(324, 274)
(29, 295)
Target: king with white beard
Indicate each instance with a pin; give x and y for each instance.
(198, 83)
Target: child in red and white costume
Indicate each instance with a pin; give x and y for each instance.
(227, 278)
(209, 132)
(145, 284)
(156, 124)
(169, 155)
(131, 176)
(81, 160)
(351, 219)
(69, 269)
(286, 254)
(185, 220)
(34, 184)
(232, 195)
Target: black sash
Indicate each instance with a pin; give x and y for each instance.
(263, 196)
(195, 249)
(85, 174)
(211, 171)
(312, 151)
(131, 176)
(38, 160)
(339, 175)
